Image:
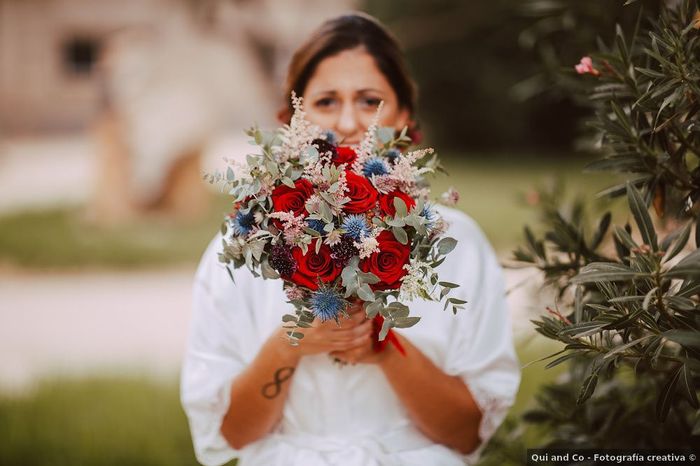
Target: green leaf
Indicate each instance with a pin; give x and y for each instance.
(602, 229)
(448, 284)
(582, 329)
(385, 134)
(687, 387)
(446, 245)
(663, 403)
(406, 322)
(625, 238)
(288, 182)
(587, 388)
(400, 206)
(627, 345)
(386, 326)
(456, 301)
(687, 338)
(374, 308)
(680, 239)
(367, 277)
(642, 217)
(605, 271)
(400, 235)
(689, 266)
(364, 292)
(561, 359)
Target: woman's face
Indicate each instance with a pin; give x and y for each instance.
(344, 92)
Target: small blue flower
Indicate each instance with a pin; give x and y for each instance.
(356, 226)
(375, 166)
(393, 154)
(316, 224)
(242, 223)
(430, 216)
(327, 304)
(331, 138)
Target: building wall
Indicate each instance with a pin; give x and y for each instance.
(41, 89)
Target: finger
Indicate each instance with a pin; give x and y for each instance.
(353, 343)
(349, 335)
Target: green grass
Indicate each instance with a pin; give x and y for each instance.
(491, 192)
(61, 238)
(132, 420)
(101, 421)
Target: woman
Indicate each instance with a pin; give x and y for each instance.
(249, 394)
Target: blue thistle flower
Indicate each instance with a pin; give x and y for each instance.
(429, 215)
(331, 138)
(375, 166)
(327, 304)
(393, 154)
(242, 223)
(316, 224)
(356, 226)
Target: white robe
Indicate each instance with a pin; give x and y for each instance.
(348, 416)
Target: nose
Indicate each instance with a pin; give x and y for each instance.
(348, 124)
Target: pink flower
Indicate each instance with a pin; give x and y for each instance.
(586, 67)
(450, 197)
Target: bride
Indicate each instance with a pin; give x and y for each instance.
(248, 394)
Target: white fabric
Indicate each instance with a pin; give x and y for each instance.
(348, 416)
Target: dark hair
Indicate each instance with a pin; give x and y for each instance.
(347, 32)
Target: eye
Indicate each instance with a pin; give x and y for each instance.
(324, 102)
(370, 102)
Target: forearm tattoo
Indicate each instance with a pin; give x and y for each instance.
(273, 389)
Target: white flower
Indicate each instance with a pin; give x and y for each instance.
(368, 245)
(415, 283)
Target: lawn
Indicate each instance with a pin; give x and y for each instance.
(492, 192)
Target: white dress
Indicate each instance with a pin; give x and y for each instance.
(348, 416)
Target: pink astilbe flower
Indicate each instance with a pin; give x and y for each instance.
(297, 135)
(368, 144)
(292, 226)
(586, 67)
(404, 173)
(384, 183)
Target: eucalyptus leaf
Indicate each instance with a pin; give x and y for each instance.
(400, 235)
(446, 245)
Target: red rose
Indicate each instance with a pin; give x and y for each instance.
(363, 196)
(312, 267)
(386, 202)
(387, 264)
(285, 198)
(344, 154)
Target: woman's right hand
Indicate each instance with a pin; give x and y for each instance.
(328, 336)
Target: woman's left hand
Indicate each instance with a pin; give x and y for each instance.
(362, 353)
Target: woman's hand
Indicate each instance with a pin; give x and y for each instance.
(363, 351)
(328, 337)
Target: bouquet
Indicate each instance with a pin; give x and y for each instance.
(340, 225)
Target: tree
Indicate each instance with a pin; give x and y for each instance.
(628, 312)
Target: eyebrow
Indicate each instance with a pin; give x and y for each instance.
(334, 92)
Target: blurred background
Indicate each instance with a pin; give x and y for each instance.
(110, 110)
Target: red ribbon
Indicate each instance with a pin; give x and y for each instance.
(391, 337)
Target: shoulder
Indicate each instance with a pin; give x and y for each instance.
(464, 229)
